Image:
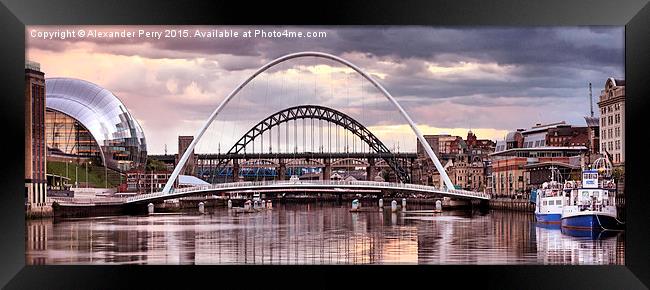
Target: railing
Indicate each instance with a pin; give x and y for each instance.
(315, 183)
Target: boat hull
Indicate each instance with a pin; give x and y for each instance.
(554, 218)
(589, 222)
(594, 234)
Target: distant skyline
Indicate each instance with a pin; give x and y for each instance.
(449, 79)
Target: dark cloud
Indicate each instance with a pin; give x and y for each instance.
(515, 76)
(535, 45)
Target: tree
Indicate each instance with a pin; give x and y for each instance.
(155, 165)
(618, 173)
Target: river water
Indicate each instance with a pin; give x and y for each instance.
(315, 234)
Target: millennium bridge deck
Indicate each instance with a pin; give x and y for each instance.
(262, 186)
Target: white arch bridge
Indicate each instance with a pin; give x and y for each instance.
(447, 187)
(274, 185)
(188, 151)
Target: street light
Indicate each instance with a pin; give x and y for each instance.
(66, 171)
(89, 162)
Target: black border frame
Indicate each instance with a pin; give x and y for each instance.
(634, 14)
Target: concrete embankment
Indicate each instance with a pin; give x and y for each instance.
(39, 212)
(212, 201)
(512, 204)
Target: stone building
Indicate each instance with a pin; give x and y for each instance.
(465, 161)
(612, 120)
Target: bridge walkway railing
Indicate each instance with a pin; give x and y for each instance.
(253, 184)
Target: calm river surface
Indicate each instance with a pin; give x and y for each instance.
(314, 234)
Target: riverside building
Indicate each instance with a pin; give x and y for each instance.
(35, 151)
(525, 158)
(612, 120)
(84, 122)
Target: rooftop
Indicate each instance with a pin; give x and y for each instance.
(592, 121)
(545, 148)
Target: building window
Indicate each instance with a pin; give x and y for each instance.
(610, 145)
(603, 121)
(618, 144)
(609, 120)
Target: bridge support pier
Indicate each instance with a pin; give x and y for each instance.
(370, 170)
(282, 170)
(327, 170)
(235, 170)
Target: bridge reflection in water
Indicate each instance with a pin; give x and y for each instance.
(313, 234)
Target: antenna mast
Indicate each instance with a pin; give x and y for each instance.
(591, 101)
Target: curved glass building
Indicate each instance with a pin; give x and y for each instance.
(86, 120)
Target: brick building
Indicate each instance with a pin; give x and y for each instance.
(516, 171)
(190, 166)
(35, 148)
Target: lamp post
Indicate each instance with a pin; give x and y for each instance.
(66, 174)
(89, 162)
(76, 176)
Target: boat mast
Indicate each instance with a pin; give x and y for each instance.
(591, 102)
(552, 168)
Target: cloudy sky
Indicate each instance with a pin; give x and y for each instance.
(449, 79)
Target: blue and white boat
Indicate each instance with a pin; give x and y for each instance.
(592, 204)
(550, 200)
